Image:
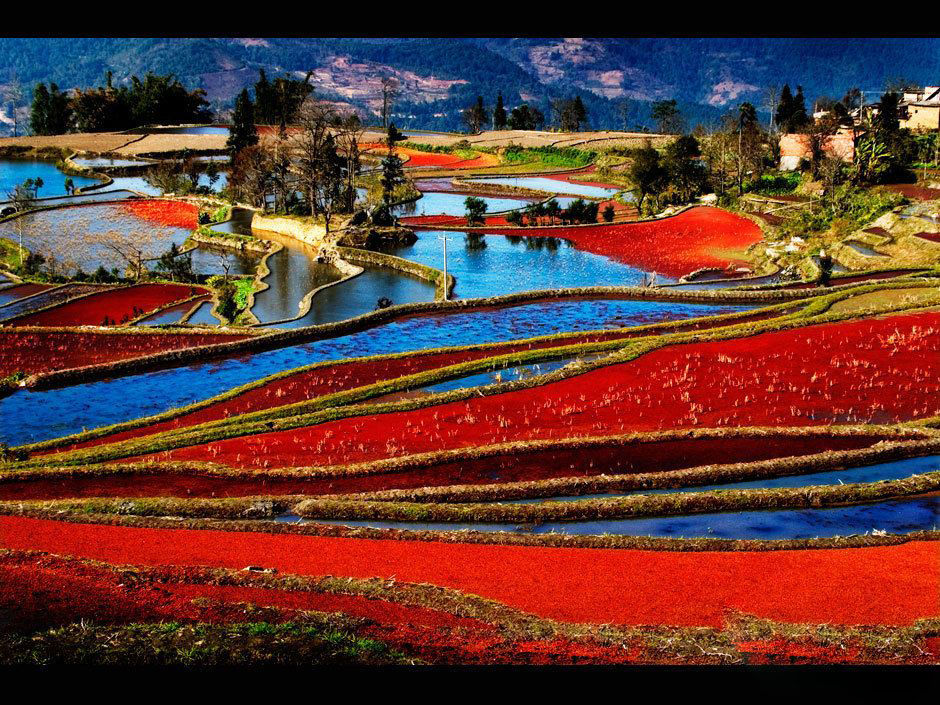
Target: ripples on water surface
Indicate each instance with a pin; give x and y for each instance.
(901, 516)
(37, 415)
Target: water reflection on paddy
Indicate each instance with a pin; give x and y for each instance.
(491, 265)
(542, 183)
(895, 516)
(14, 172)
(43, 414)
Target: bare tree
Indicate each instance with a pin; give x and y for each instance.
(818, 136)
(22, 196)
(167, 176)
(348, 136)
(251, 174)
(771, 101)
(719, 152)
(224, 263)
(15, 94)
(314, 118)
(133, 254)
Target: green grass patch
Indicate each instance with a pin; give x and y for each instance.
(561, 157)
(10, 254)
(243, 289)
(197, 645)
(775, 184)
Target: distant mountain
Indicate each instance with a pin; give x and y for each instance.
(439, 77)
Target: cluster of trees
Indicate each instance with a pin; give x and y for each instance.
(883, 150)
(676, 176)
(155, 100)
(551, 213)
(476, 210)
(734, 157)
(276, 102)
(666, 115)
(182, 176)
(569, 114)
(51, 112)
(526, 117)
(790, 114)
(177, 267)
(23, 195)
(738, 152)
(312, 171)
(886, 152)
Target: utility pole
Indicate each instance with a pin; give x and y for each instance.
(444, 240)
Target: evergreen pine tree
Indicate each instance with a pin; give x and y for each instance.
(499, 114)
(243, 133)
(39, 112)
(784, 109)
(264, 108)
(580, 112)
(799, 119)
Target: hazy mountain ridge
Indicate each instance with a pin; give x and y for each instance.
(440, 76)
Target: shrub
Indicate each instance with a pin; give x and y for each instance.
(775, 184)
(476, 210)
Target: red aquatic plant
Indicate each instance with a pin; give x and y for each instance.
(864, 371)
(175, 214)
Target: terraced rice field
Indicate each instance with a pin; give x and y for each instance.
(85, 237)
(481, 480)
(675, 246)
(760, 381)
(120, 305)
(33, 351)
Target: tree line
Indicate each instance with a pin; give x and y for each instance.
(308, 170)
(734, 157)
(153, 100)
(569, 114)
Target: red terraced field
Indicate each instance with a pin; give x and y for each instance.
(181, 309)
(608, 459)
(416, 158)
(893, 585)
(918, 193)
(50, 586)
(770, 218)
(175, 214)
(18, 291)
(115, 304)
(932, 237)
(41, 592)
(621, 213)
(881, 370)
(47, 592)
(581, 176)
(45, 351)
(697, 238)
(338, 377)
(428, 220)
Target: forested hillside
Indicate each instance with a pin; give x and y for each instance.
(617, 78)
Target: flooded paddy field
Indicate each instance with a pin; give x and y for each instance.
(45, 414)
